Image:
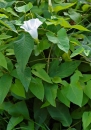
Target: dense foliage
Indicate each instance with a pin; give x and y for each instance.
(45, 83)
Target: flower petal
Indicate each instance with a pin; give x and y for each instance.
(34, 33)
(38, 22)
(31, 26)
(31, 23)
(24, 26)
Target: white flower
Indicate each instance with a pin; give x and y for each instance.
(31, 27)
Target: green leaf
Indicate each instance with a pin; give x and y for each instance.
(37, 88)
(38, 66)
(37, 9)
(3, 47)
(79, 27)
(1, 73)
(13, 122)
(24, 8)
(51, 37)
(77, 113)
(46, 104)
(40, 114)
(3, 4)
(75, 94)
(85, 99)
(5, 106)
(24, 76)
(43, 45)
(89, 127)
(74, 15)
(62, 6)
(87, 89)
(56, 80)
(3, 61)
(41, 73)
(86, 119)
(51, 93)
(30, 125)
(53, 67)
(4, 36)
(3, 16)
(9, 52)
(74, 41)
(14, 74)
(86, 77)
(86, 7)
(60, 113)
(75, 77)
(11, 11)
(23, 47)
(62, 71)
(5, 84)
(63, 40)
(62, 96)
(9, 25)
(18, 89)
(77, 51)
(17, 109)
(63, 22)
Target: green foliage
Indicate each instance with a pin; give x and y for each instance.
(62, 70)
(86, 118)
(36, 87)
(3, 61)
(51, 93)
(60, 113)
(23, 47)
(13, 122)
(45, 83)
(5, 84)
(18, 89)
(24, 8)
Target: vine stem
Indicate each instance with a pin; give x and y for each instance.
(43, 59)
(48, 61)
(74, 124)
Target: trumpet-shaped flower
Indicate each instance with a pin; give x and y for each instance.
(31, 27)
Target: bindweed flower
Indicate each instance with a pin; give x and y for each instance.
(31, 27)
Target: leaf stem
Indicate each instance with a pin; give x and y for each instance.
(48, 62)
(74, 125)
(43, 59)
